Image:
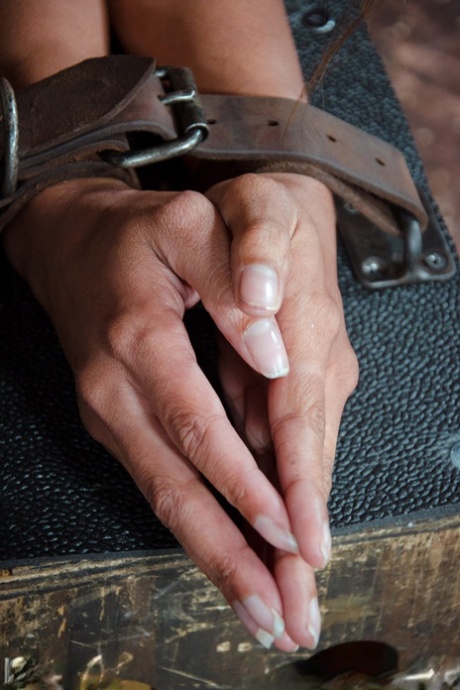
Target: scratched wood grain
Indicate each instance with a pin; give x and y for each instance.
(156, 619)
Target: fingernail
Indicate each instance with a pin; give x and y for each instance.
(264, 638)
(267, 618)
(261, 621)
(326, 544)
(265, 344)
(314, 621)
(277, 536)
(259, 287)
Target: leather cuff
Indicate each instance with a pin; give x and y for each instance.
(85, 122)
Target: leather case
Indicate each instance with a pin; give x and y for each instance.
(62, 494)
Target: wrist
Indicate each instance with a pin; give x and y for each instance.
(35, 225)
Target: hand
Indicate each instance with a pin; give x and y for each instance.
(291, 423)
(116, 268)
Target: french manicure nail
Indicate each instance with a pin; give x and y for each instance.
(326, 544)
(265, 343)
(314, 621)
(267, 618)
(265, 638)
(277, 536)
(259, 287)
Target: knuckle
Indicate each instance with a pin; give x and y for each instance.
(241, 184)
(121, 332)
(218, 285)
(97, 393)
(286, 427)
(234, 490)
(316, 417)
(264, 184)
(351, 367)
(168, 501)
(184, 212)
(312, 416)
(130, 337)
(346, 369)
(192, 433)
(93, 388)
(223, 569)
(330, 315)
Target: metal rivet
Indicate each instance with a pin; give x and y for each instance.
(318, 20)
(455, 455)
(373, 265)
(435, 261)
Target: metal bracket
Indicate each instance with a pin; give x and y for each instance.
(381, 260)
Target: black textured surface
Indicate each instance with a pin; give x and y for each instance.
(399, 426)
(60, 493)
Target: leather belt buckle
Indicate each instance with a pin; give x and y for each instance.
(120, 112)
(382, 260)
(181, 94)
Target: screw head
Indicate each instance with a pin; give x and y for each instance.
(318, 20)
(373, 266)
(435, 261)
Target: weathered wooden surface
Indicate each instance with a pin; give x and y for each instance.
(156, 619)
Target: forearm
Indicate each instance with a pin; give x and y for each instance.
(232, 46)
(40, 38)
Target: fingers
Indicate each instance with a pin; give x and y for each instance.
(198, 249)
(261, 216)
(160, 363)
(299, 423)
(245, 394)
(297, 586)
(129, 281)
(306, 407)
(185, 505)
(303, 421)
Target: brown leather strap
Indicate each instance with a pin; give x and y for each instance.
(69, 119)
